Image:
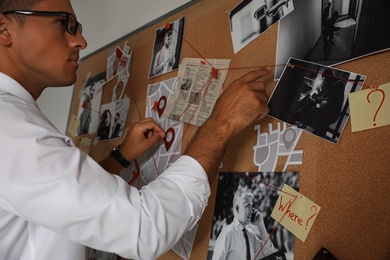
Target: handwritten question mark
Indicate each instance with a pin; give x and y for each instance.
(312, 216)
(380, 105)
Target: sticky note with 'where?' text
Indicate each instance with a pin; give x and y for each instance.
(295, 212)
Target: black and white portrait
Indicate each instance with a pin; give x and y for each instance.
(314, 98)
(250, 18)
(242, 224)
(331, 32)
(167, 48)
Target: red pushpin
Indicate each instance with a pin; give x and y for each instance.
(167, 26)
(203, 62)
(215, 74)
(169, 138)
(162, 103)
(155, 105)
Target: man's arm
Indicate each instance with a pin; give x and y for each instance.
(159, 63)
(141, 137)
(243, 102)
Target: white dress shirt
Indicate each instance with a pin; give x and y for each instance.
(55, 200)
(231, 245)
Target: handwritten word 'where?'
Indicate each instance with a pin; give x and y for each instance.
(295, 212)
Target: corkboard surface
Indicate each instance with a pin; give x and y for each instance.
(349, 181)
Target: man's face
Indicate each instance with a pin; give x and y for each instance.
(319, 82)
(245, 209)
(168, 39)
(45, 54)
(92, 90)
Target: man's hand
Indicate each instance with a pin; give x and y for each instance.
(258, 219)
(141, 137)
(243, 102)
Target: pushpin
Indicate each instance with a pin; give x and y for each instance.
(167, 26)
(215, 74)
(169, 138)
(155, 105)
(203, 62)
(162, 103)
(289, 137)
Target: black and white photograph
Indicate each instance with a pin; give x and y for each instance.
(242, 224)
(90, 100)
(314, 98)
(331, 32)
(250, 18)
(167, 48)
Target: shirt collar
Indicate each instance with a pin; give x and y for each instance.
(237, 224)
(9, 85)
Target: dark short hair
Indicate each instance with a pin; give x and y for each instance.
(9, 5)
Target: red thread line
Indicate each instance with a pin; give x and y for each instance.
(303, 68)
(184, 249)
(206, 85)
(259, 182)
(328, 75)
(277, 224)
(293, 197)
(176, 148)
(254, 67)
(248, 67)
(200, 55)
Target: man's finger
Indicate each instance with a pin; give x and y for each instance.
(255, 75)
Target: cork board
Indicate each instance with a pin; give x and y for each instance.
(348, 180)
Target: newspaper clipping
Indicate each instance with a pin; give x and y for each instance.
(197, 90)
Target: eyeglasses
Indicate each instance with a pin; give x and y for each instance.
(71, 23)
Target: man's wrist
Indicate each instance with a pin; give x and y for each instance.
(117, 155)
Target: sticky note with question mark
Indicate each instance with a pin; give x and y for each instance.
(295, 212)
(370, 108)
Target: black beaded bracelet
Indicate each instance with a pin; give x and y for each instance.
(119, 157)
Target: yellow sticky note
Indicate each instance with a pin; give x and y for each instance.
(295, 212)
(73, 126)
(370, 108)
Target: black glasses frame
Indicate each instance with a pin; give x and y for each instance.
(71, 28)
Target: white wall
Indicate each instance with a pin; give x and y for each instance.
(103, 22)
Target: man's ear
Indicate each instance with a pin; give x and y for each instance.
(5, 36)
(237, 208)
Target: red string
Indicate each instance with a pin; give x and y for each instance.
(206, 85)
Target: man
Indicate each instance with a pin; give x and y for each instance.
(85, 116)
(54, 199)
(236, 240)
(165, 58)
(322, 106)
(117, 126)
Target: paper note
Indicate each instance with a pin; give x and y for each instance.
(74, 124)
(370, 108)
(295, 212)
